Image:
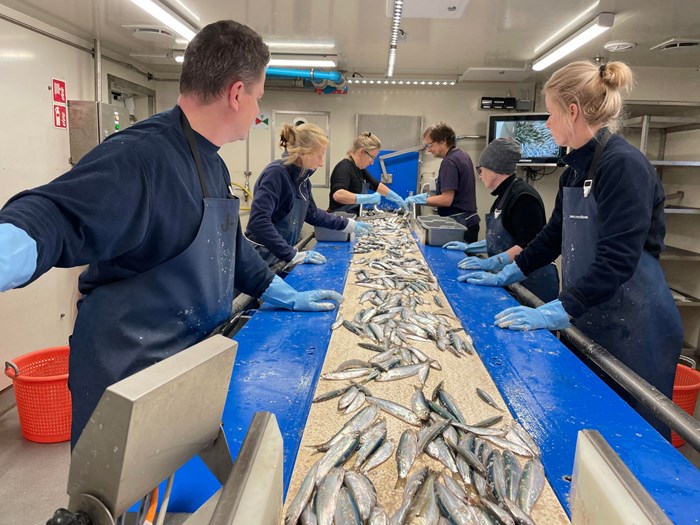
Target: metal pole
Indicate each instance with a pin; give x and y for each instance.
(686, 426)
(98, 86)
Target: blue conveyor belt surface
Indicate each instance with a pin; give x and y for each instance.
(554, 395)
(549, 390)
(280, 356)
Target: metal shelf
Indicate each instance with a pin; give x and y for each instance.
(689, 163)
(669, 124)
(678, 254)
(683, 299)
(682, 210)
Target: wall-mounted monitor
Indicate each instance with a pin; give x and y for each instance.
(530, 130)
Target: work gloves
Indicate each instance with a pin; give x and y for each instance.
(368, 198)
(308, 257)
(396, 199)
(551, 316)
(492, 264)
(508, 275)
(421, 198)
(360, 228)
(468, 248)
(280, 294)
(18, 255)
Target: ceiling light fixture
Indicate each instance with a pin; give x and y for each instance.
(402, 82)
(595, 27)
(167, 17)
(301, 62)
(393, 41)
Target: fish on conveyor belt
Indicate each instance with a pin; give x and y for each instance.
(488, 399)
(396, 410)
(296, 507)
(383, 453)
(477, 477)
(327, 496)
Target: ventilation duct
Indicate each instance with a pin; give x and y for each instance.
(323, 82)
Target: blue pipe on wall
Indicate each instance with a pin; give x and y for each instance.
(307, 74)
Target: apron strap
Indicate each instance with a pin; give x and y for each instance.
(600, 146)
(194, 150)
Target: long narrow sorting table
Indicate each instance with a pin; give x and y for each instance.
(548, 389)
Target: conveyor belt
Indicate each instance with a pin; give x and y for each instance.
(547, 388)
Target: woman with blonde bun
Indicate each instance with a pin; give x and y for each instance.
(608, 225)
(283, 201)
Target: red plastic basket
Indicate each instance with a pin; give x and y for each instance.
(40, 379)
(685, 394)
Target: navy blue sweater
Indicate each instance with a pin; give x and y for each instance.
(130, 204)
(273, 199)
(630, 201)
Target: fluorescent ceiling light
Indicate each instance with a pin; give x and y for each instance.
(402, 82)
(179, 58)
(301, 46)
(167, 17)
(595, 27)
(301, 62)
(394, 39)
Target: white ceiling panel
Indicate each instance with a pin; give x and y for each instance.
(502, 34)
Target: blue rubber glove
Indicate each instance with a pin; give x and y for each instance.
(508, 275)
(282, 295)
(551, 316)
(421, 198)
(18, 256)
(492, 264)
(455, 245)
(360, 228)
(396, 199)
(308, 257)
(368, 198)
(476, 247)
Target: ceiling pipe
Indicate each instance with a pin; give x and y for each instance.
(306, 74)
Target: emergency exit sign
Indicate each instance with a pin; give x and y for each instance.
(60, 113)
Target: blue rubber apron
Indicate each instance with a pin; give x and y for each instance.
(289, 227)
(543, 282)
(640, 324)
(126, 326)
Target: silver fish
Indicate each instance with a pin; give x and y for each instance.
(352, 373)
(327, 496)
(406, 453)
(337, 455)
(514, 447)
(396, 410)
(519, 515)
(380, 456)
(348, 397)
(346, 511)
(308, 517)
(496, 475)
(513, 472)
(378, 517)
(359, 422)
(438, 449)
(531, 485)
(419, 404)
(302, 497)
(363, 492)
(501, 515)
(455, 509)
(372, 440)
(488, 399)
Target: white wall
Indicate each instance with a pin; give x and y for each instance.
(33, 152)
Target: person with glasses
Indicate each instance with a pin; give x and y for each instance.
(283, 200)
(517, 216)
(351, 182)
(456, 182)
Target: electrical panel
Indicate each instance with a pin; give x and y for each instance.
(83, 125)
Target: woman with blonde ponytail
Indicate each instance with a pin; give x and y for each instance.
(608, 225)
(283, 201)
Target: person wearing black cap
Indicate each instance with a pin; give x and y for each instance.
(517, 216)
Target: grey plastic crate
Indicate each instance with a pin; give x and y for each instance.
(440, 230)
(326, 234)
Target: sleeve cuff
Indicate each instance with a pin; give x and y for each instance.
(573, 306)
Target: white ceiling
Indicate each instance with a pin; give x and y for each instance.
(506, 34)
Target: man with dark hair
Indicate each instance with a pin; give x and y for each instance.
(151, 212)
(456, 183)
